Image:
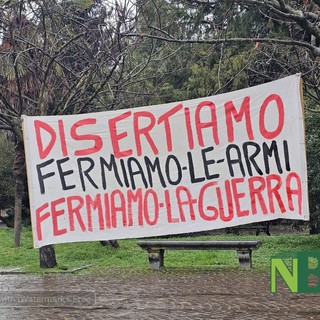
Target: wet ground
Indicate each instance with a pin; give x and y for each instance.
(169, 294)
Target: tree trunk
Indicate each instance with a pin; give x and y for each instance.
(17, 213)
(19, 176)
(47, 257)
(113, 243)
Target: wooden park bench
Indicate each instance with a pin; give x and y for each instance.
(156, 249)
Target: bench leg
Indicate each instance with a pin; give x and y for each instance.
(245, 259)
(156, 258)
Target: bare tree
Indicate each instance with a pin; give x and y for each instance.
(60, 57)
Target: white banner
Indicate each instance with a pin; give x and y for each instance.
(188, 166)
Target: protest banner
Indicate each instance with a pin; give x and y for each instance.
(189, 166)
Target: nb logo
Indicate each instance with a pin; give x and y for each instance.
(296, 270)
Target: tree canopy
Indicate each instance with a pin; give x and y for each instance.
(277, 37)
(76, 56)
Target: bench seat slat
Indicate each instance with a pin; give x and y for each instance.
(189, 245)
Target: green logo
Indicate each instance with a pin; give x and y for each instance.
(297, 270)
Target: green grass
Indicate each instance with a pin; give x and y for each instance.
(129, 255)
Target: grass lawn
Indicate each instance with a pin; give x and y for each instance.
(129, 255)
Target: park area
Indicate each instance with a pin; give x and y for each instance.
(139, 140)
(129, 255)
(92, 281)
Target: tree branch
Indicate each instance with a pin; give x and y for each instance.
(48, 68)
(280, 8)
(314, 50)
(7, 128)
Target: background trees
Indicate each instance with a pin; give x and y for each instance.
(55, 58)
(75, 56)
(6, 179)
(275, 38)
